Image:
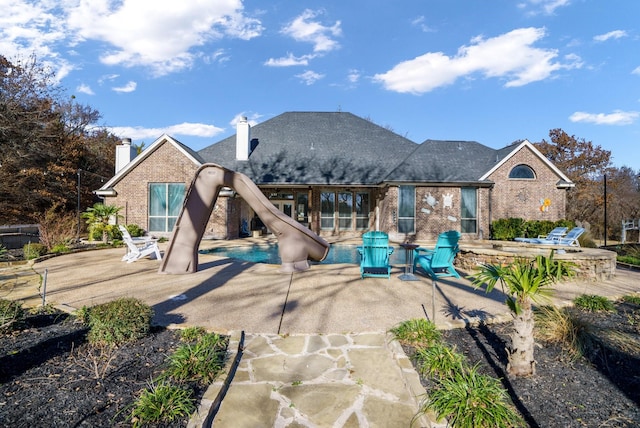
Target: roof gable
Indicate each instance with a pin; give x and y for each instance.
(543, 158)
(187, 152)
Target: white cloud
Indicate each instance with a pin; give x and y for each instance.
(165, 35)
(354, 76)
(220, 56)
(251, 118)
(186, 128)
(289, 60)
(636, 70)
(510, 56)
(618, 117)
(616, 34)
(162, 36)
(420, 23)
(107, 78)
(85, 89)
(548, 7)
(309, 77)
(129, 87)
(304, 29)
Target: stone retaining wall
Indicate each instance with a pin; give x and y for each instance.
(591, 263)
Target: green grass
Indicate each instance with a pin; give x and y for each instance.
(199, 362)
(593, 303)
(629, 260)
(635, 299)
(468, 399)
(578, 336)
(161, 404)
(438, 361)
(192, 334)
(417, 332)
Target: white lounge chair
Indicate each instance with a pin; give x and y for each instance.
(570, 239)
(554, 235)
(138, 248)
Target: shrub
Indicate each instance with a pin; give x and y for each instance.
(34, 250)
(192, 334)
(135, 230)
(60, 248)
(417, 332)
(593, 303)
(533, 229)
(438, 361)
(198, 362)
(119, 321)
(556, 325)
(96, 232)
(11, 313)
(469, 399)
(3, 249)
(162, 403)
(635, 299)
(632, 260)
(506, 229)
(578, 336)
(57, 227)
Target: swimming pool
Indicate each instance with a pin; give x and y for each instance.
(338, 253)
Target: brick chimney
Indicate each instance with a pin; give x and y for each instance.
(125, 153)
(243, 139)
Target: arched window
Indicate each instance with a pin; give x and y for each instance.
(522, 171)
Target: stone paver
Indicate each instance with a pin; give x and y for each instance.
(360, 380)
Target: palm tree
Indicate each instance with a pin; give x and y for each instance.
(524, 281)
(101, 214)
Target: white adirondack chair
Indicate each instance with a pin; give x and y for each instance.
(138, 248)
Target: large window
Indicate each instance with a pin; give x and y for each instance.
(362, 211)
(327, 210)
(165, 202)
(407, 209)
(345, 210)
(469, 210)
(302, 208)
(351, 208)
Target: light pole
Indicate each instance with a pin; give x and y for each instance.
(605, 210)
(78, 208)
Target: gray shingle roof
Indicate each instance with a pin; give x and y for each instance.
(315, 148)
(339, 148)
(446, 161)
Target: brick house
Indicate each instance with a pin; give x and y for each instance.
(341, 175)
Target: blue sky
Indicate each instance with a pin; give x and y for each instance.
(489, 71)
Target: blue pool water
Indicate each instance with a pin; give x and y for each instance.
(269, 254)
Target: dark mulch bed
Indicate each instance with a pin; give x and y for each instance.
(48, 377)
(600, 390)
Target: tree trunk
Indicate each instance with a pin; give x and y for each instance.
(520, 355)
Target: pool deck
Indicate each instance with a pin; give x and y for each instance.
(323, 330)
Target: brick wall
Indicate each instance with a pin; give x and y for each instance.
(165, 165)
(522, 197)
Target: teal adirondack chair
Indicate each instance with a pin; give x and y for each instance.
(374, 253)
(438, 262)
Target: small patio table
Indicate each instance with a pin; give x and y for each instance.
(408, 269)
